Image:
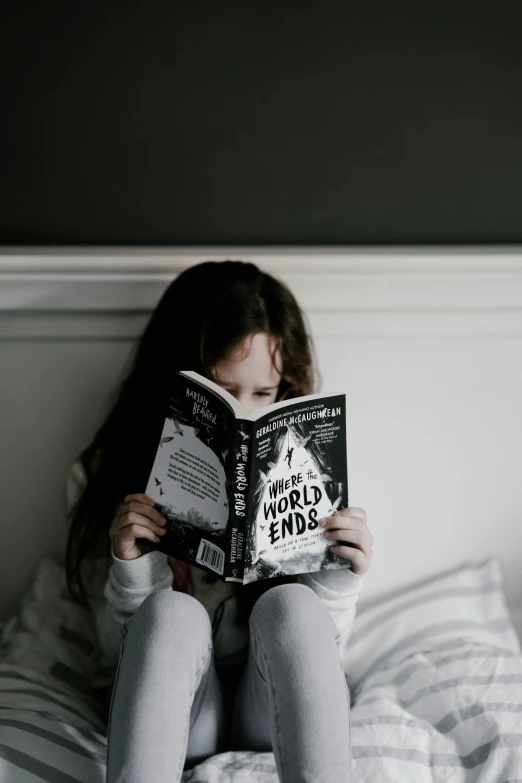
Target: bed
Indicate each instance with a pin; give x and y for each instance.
(434, 672)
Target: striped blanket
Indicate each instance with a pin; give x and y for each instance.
(435, 677)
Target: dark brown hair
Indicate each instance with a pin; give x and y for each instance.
(203, 315)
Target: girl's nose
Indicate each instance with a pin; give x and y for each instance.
(245, 402)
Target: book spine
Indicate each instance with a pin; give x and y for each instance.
(238, 498)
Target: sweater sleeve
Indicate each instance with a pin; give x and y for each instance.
(339, 590)
(127, 585)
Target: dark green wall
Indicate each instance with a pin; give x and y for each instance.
(248, 122)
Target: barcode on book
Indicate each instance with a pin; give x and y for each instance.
(211, 555)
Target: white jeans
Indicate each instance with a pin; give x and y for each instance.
(168, 712)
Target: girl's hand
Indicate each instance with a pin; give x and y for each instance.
(349, 524)
(136, 518)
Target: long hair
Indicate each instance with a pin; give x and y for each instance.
(203, 315)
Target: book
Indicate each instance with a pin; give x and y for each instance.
(243, 494)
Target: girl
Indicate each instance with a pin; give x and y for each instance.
(200, 666)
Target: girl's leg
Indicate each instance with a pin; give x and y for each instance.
(293, 697)
(167, 708)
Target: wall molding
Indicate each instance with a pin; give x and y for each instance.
(374, 293)
(342, 259)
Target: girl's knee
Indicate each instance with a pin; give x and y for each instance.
(287, 604)
(175, 614)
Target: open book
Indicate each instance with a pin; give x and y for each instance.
(243, 494)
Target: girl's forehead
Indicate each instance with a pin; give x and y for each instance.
(251, 363)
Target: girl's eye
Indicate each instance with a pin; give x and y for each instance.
(262, 394)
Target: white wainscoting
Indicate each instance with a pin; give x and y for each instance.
(427, 343)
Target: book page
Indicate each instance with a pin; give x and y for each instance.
(188, 479)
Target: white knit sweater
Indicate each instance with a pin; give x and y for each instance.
(116, 597)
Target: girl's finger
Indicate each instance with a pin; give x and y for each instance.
(348, 523)
(145, 511)
(129, 534)
(131, 518)
(339, 521)
(358, 538)
(353, 511)
(347, 534)
(360, 563)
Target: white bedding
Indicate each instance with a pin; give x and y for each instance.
(435, 676)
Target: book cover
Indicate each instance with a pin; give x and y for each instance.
(299, 475)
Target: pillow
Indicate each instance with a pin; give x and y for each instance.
(466, 603)
(55, 637)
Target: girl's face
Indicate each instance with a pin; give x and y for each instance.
(249, 374)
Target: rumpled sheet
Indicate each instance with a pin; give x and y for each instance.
(452, 712)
